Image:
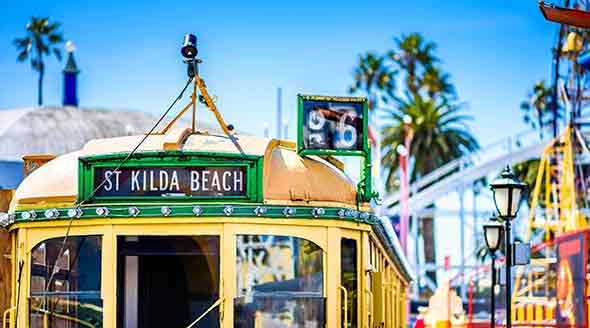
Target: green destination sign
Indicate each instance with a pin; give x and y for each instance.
(170, 176)
(332, 125)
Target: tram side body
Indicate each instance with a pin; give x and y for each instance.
(225, 263)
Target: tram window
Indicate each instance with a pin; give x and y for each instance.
(279, 282)
(65, 289)
(349, 280)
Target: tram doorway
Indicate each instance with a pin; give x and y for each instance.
(167, 281)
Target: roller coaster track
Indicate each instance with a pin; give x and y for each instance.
(464, 171)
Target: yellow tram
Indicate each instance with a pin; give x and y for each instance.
(296, 251)
(185, 228)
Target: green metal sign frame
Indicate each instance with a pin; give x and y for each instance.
(252, 164)
(333, 152)
(365, 186)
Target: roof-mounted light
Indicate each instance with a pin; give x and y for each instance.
(29, 215)
(260, 210)
(133, 211)
(289, 211)
(166, 211)
(228, 210)
(51, 213)
(102, 211)
(197, 210)
(317, 212)
(75, 213)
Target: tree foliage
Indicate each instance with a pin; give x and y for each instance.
(536, 110)
(425, 94)
(42, 39)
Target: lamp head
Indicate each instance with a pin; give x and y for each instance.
(493, 232)
(189, 46)
(507, 191)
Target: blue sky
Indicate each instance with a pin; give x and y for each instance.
(128, 52)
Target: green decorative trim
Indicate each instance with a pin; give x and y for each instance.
(216, 210)
(253, 165)
(187, 210)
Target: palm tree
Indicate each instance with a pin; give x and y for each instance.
(413, 55)
(536, 110)
(428, 97)
(373, 76)
(526, 171)
(439, 136)
(41, 39)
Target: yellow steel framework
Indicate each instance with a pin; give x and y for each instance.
(555, 190)
(556, 179)
(199, 83)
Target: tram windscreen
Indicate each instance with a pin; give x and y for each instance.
(279, 282)
(168, 281)
(65, 283)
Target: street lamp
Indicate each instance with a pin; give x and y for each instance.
(492, 232)
(508, 191)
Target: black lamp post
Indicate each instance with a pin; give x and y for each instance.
(508, 191)
(493, 231)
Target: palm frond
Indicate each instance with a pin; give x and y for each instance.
(22, 55)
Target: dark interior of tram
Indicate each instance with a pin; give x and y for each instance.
(167, 281)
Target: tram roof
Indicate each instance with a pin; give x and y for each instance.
(288, 178)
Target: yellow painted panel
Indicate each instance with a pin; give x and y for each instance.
(377, 290)
(109, 276)
(332, 274)
(228, 274)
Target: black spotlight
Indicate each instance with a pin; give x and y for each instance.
(189, 47)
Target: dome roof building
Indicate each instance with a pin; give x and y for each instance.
(60, 130)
